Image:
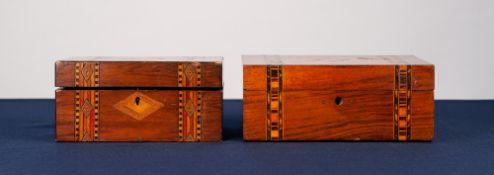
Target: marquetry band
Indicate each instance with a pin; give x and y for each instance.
(189, 102)
(189, 116)
(402, 105)
(87, 74)
(189, 74)
(274, 106)
(87, 102)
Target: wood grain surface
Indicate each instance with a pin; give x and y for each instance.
(138, 74)
(351, 98)
(301, 77)
(326, 60)
(314, 115)
(160, 125)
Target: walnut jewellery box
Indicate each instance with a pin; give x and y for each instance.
(126, 99)
(289, 98)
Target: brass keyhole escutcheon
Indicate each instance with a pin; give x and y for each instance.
(338, 101)
(137, 100)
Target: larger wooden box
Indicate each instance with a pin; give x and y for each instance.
(142, 99)
(338, 98)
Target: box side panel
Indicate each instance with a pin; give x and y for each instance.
(255, 102)
(212, 118)
(423, 77)
(422, 120)
(64, 116)
(211, 74)
(255, 78)
(254, 115)
(64, 74)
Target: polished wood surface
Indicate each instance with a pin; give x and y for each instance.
(160, 125)
(327, 60)
(254, 115)
(191, 59)
(314, 115)
(340, 99)
(151, 73)
(365, 77)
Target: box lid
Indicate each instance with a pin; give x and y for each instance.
(166, 72)
(338, 72)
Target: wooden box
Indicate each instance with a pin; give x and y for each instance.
(143, 99)
(290, 98)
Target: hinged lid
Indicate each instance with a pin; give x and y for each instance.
(168, 72)
(376, 72)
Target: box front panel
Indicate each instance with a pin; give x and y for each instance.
(138, 115)
(338, 115)
(276, 108)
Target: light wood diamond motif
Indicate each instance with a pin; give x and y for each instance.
(138, 106)
(87, 71)
(87, 107)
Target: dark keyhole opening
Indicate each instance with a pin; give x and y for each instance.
(137, 100)
(338, 101)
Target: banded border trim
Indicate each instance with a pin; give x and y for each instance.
(189, 116)
(189, 103)
(87, 102)
(274, 106)
(402, 103)
(87, 74)
(189, 74)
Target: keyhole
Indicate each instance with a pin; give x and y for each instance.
(338, 101)
(137, 100)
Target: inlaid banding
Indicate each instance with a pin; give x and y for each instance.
(87, 102)
(402, 105)
(189, 116)
(189, 103)
(87, 74)
(87, 112)
(274, 106)
(189, 75)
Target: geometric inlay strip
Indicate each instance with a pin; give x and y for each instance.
(274, 106)
(189, 116)
(87, 74)
(190, 102)
(87, 110)
(189, 74)
(402, 105)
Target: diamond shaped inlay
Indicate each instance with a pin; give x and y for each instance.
(190, 108)
(138, 106)
(87, 71)
(190, 72)
(87, 107)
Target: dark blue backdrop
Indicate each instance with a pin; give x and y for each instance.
(464, 144)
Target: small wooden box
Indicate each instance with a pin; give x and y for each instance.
(124, 99)
(387, 98)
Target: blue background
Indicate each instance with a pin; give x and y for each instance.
(464, 144)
